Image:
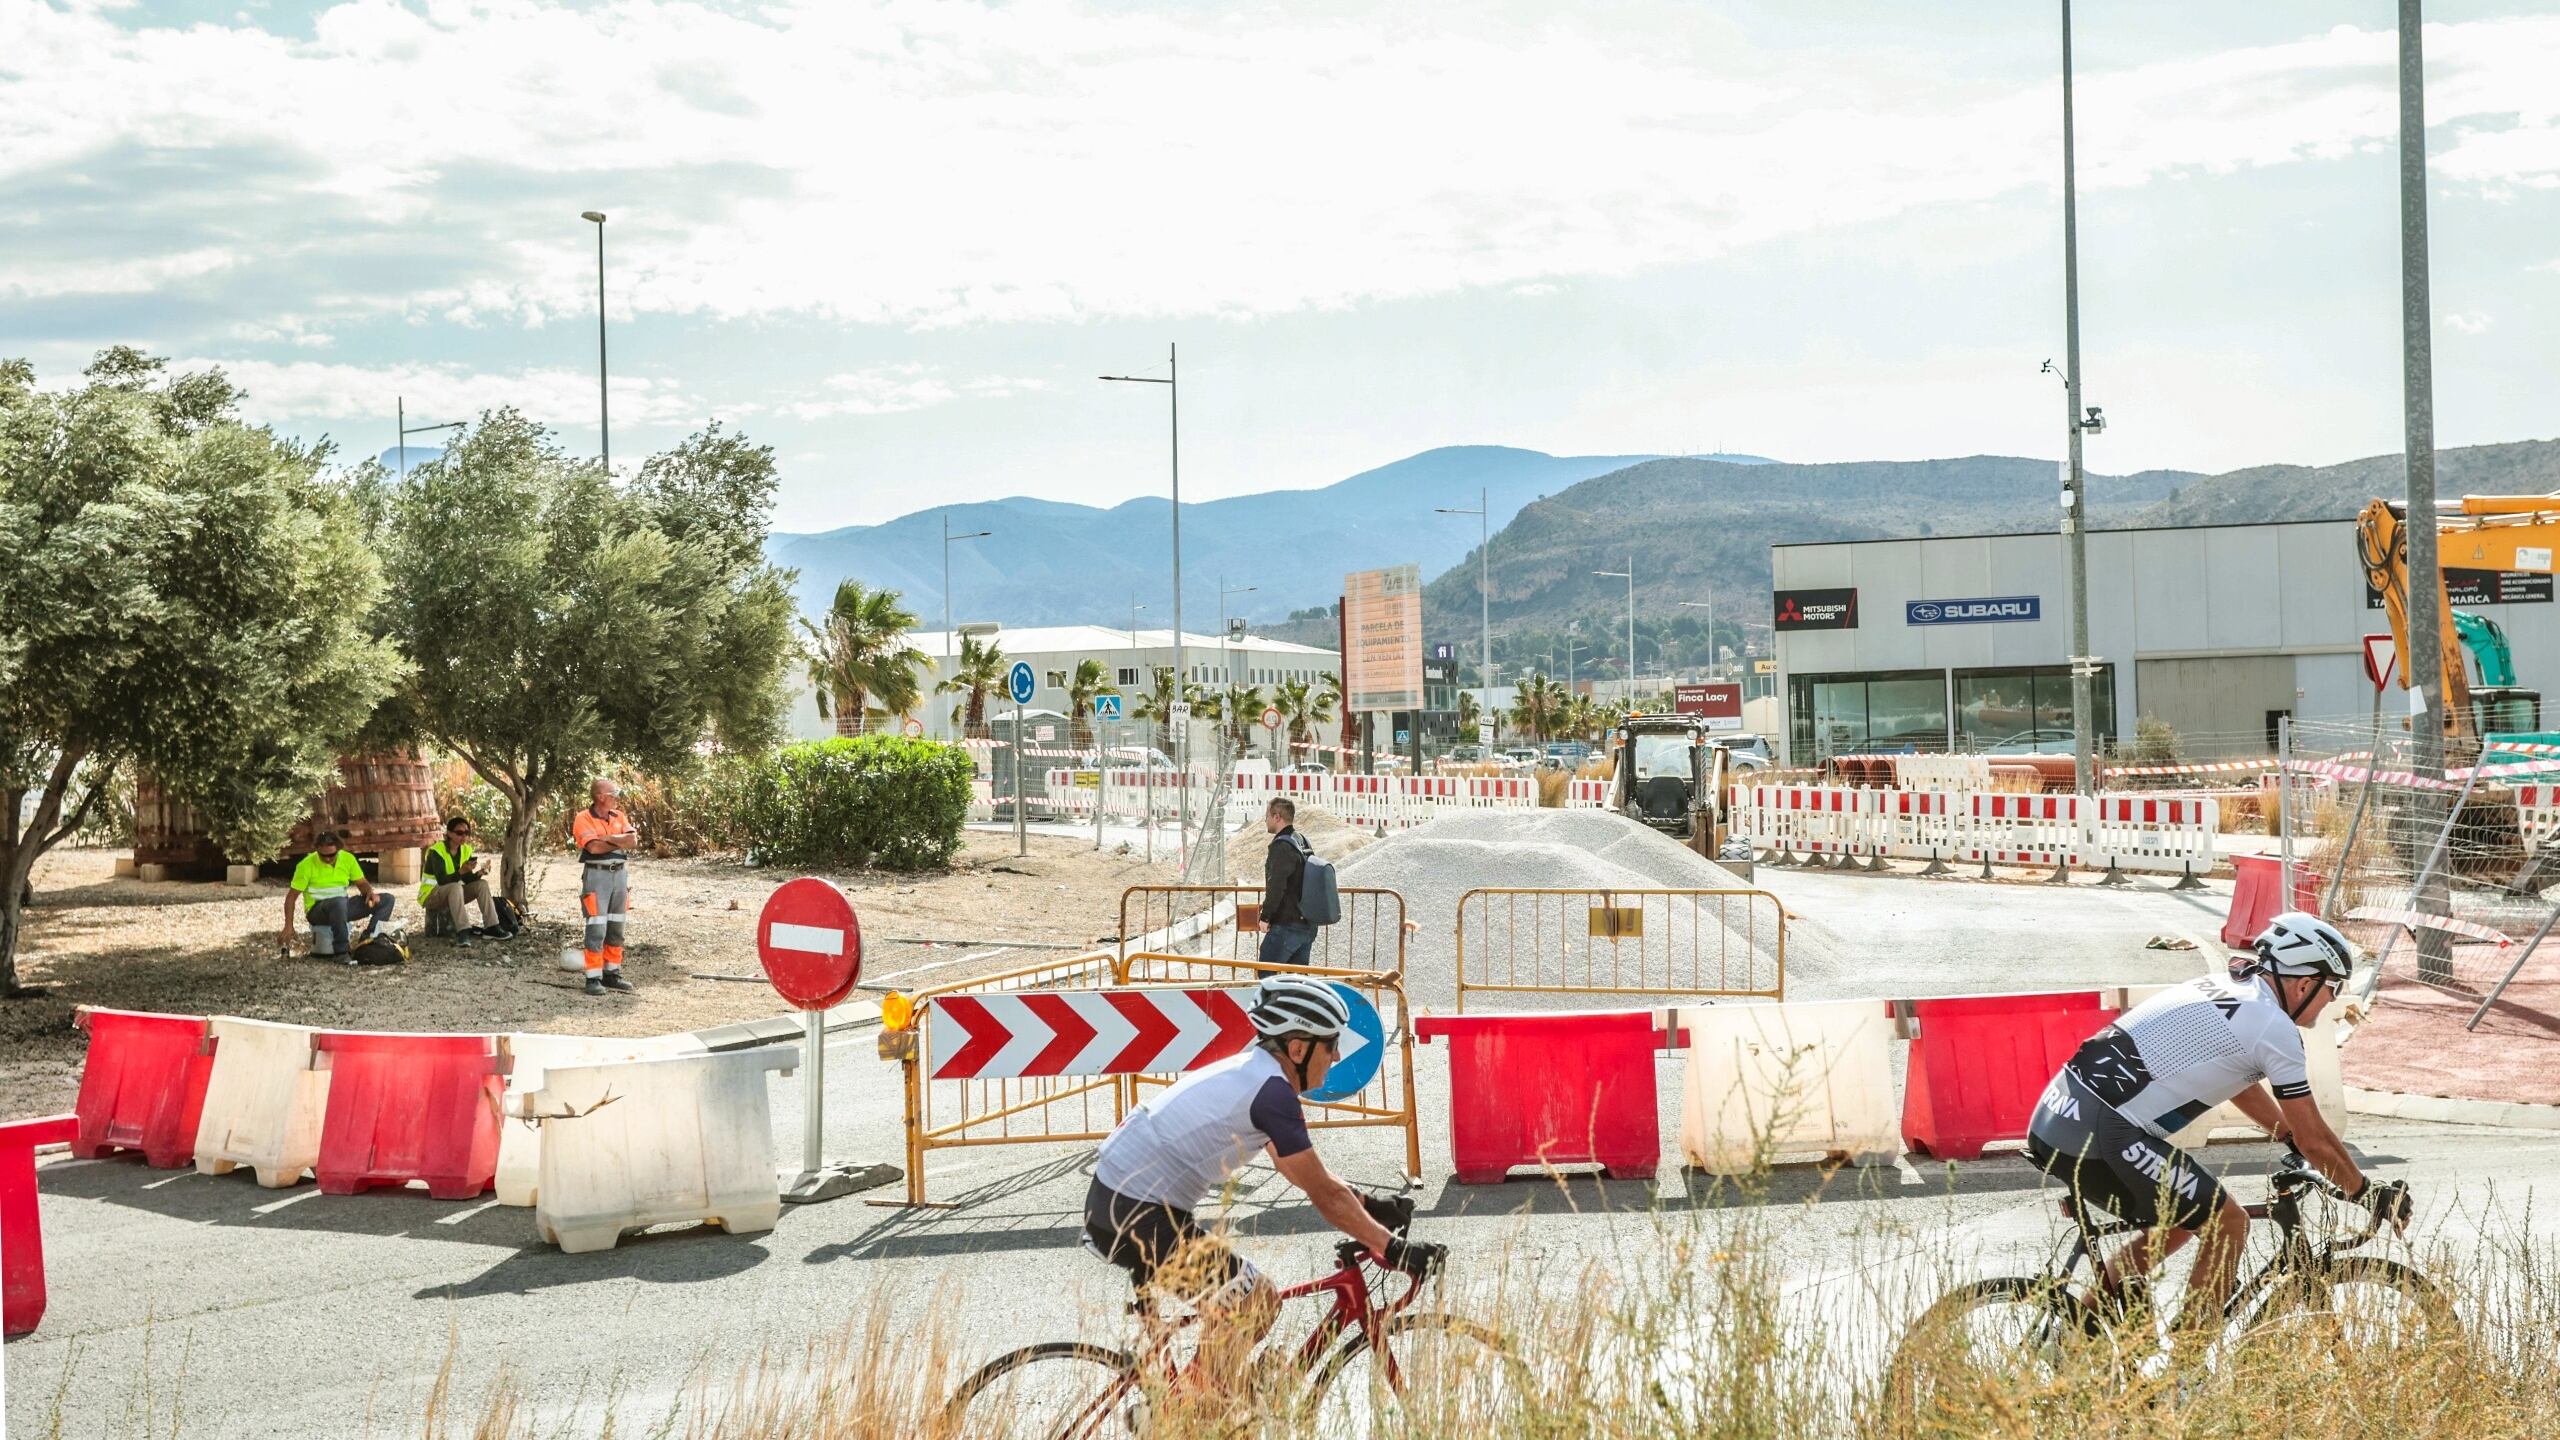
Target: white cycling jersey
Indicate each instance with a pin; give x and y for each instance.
(2192, 1047)
(1183, 1143)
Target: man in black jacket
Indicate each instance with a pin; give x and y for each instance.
(1287, 938)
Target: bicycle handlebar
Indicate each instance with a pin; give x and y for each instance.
(2294, 1173)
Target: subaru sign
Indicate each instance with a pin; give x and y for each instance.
(1987, 611)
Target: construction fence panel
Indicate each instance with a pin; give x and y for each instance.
(1000, 1110)
(1386, 1101)
(1942, 772)
(1621, 942)
(2142, 833)
(1222, 923)
(2024, 829)
(1503, 792)
(1586, 795)
(1814, 820)
(1919, 824)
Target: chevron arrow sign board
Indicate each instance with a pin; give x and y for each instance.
(1089, 1032)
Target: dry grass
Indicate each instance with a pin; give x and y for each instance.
(1697, 1331)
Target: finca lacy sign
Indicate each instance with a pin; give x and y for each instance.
(1982, 611)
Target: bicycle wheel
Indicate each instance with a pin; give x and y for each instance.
(1448, 1371)
(2014, 1334)
(2360, 1301)
(1059, 1390)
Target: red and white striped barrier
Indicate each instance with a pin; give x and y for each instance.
(2141, 832)
(1003, 1036)
(2417, 920)
(1503, 792)
(2025, 829)
(1920, 824)
(1586, 795)
(1811, 820)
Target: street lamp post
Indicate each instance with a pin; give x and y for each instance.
(1628, 575)
(400, 408)
(1709, 605)
(1172, 381)
(947, 538)
(1484, 594)
(604, 406)
(2077, 421)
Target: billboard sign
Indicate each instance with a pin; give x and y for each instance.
(1817, 609)
(1719, 703)
(1382, 631)
(1990, 610)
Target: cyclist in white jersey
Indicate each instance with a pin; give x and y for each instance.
(2104, 1122)
(1180, 1147)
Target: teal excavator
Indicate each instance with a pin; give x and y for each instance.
(2502, 711)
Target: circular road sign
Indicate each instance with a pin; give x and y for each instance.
(1018, 684)
(810, 943)
(1270, 717)
(913, 728)
(1355, 1061)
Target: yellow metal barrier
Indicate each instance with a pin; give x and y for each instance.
(952, 1114)
(1622, 942)
(1202, 922)
(1388, 1097)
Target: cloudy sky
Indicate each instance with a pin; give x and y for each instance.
(897, 239)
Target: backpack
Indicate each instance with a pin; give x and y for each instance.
(1319, 896)
(381, 950)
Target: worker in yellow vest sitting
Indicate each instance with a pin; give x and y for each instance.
(321, 883)
(453, 876)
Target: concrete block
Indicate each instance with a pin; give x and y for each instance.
(240, 875)
(402, 867)
(124, 867)
(151, 872)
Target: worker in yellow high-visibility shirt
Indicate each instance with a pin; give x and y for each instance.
(319, 888)
(605, 838)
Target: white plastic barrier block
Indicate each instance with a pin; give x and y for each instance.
(2025, 829)
(2132, 832)
(531, 1059)
(263, 1103)
(650, 1142)
(2538, 814)
(1767, 1081)
(2320, 1056)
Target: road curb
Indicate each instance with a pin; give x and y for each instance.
(777, 1029)
(2514, 1114)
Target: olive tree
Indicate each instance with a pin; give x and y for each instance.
(179, 592)
(555, 619)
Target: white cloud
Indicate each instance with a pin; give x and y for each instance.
(896, 389)
(914, 163)
(307, 389)
(2469, 322)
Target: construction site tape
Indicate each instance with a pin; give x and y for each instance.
(2201, 767)
(2416, 921)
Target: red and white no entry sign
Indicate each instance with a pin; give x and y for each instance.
(1270, 717)
(809, 943)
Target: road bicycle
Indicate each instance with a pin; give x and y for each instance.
(2024, 1324)
(1372, 1365)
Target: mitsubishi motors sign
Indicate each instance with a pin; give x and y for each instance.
(1718, 703)
(1817, 609)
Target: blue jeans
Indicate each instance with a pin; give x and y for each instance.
(331, 918)
(1289, 944)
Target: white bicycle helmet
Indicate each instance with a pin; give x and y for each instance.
(2295, 943)
(1290, 1005)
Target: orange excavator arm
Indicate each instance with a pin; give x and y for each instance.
(2490, 532)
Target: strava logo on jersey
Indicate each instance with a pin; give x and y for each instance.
(2058, 1100)
(2157, 1169)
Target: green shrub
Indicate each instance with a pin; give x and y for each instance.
(858, 801)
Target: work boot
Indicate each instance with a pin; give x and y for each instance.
(462, 939)
(613, 981)
(595, 986)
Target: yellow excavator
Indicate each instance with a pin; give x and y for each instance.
(2486, 532)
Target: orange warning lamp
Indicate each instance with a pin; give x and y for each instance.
(897, 1011)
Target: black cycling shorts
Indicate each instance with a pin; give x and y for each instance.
(1140, 1236)
(2116, 1165)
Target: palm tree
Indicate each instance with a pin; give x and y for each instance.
(1303, 707)
(1082, 686)
(1470, 715)
(859, 658)
(980, 670)
(1540, 705)
(1157, 705)
(1329, 686)
(1242, 706)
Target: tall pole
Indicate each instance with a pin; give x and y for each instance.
(1631, 631)
(2079, 514)
(1182, 737)
(1484, 602)
(945, 716)
(604, 405)
(400, 408)
(2417, 398)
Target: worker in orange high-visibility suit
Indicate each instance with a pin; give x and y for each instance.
(605, 838)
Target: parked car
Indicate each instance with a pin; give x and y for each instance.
(1308, 767)
(1568, 753)
(1745, 752)
(2046, 740)
(1466, 755)
(1522, 757)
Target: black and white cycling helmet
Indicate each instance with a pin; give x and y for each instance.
(2298, 944)
(1292, 1005)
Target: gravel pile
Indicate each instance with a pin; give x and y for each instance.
(1433, 865)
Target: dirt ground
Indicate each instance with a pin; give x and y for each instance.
(200, 948)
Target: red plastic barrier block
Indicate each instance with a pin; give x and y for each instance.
(1565, 1089)
(142, 1086)
(21, 1233)
(2257, 896)
(1980, 1062)
(409, 1107)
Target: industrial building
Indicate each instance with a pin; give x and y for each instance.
(1964, 642)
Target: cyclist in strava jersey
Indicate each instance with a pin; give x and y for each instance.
(2103, 1124)
(1179, 1147)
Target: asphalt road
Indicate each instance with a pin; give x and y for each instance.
(287, 1313)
